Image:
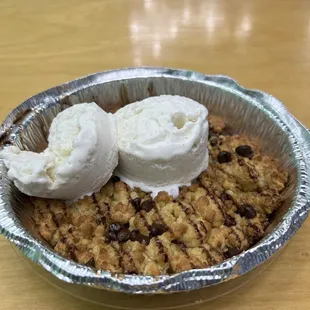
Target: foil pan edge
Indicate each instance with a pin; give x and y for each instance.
(188, 280)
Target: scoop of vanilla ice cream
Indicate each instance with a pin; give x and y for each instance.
(162, 143)
(80, 158)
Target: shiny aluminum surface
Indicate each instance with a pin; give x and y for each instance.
(247, 111)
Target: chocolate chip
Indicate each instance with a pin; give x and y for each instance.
(255, 234)
(148, 205)
(94, 199)
(111, 236)
(55, 220)
(255, 238)
(232, 252)
(229, 221)
(246, 211)
(225, 197)
(125, 225)
(187, 210)
(240, 161)
(63, 239)
(91, 263)
(136, 236)
(170, 270)
(115, 179)
(211, 134)
(144, 240)
(99, 220)
(270, 216)
(115, 227)
(157, 229)
(136, 203)
(224, 157)
(213, 141)
(123, 235)
(244, 151)
(70, 230)
(71, 249)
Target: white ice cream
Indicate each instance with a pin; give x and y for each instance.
(80, 158)
(162, 143)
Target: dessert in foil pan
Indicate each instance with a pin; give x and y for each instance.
(179, 182)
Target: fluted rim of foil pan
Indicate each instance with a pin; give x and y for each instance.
(72, 272)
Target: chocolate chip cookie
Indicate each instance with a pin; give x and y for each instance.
(123, 230)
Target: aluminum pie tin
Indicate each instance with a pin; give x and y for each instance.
(252, 112)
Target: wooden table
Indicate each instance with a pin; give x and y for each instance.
(264, 44)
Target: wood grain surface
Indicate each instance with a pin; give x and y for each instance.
(264, 44)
